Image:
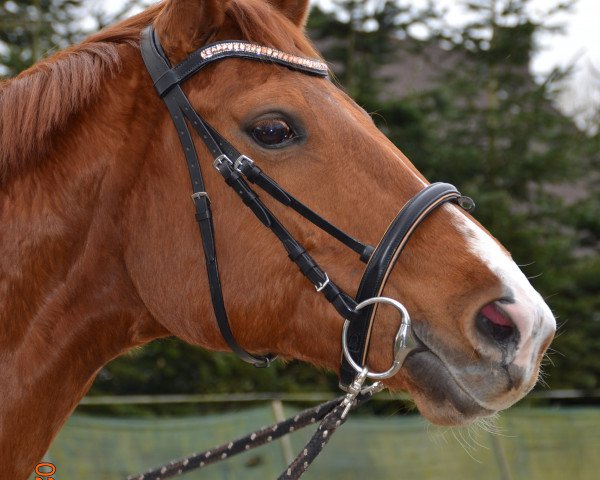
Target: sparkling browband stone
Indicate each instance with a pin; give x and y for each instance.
(266, 52)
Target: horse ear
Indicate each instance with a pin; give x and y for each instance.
(295, 10)
(184, 25)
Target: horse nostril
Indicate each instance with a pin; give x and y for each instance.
(496, 324)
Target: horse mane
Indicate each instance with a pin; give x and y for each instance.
(42, 100)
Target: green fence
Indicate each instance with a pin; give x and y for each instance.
(527, 444)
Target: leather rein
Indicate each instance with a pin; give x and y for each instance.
(239, 171)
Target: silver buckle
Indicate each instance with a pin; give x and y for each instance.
(322, 286)
(198, 195)
(240, 161)
(404, 342)
(220, 160)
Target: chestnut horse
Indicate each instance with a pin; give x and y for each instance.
(100, 250)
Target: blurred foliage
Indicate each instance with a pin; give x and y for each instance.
(485, 125)
(362, 42)
(32, 29)
(172, 366)
(29, 29)
(362, 37)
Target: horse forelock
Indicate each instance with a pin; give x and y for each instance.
(39, 103)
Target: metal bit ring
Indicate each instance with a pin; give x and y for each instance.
(404, 340)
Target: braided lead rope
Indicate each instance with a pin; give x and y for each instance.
(332, 421)
(250, 441)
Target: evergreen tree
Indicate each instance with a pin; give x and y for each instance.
(29, 29)
(32, 29)
(361, 37)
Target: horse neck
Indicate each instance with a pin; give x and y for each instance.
(67, 305)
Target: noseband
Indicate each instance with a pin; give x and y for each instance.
(239, 170)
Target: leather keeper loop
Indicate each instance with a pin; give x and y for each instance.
(307, 266)
(367, 253)
(166, 82)
(203, 216)
(251, 171)
(294, 249)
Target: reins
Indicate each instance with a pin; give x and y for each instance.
(239, 171)
(332, 415)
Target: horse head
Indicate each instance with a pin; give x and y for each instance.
(481, 327)
(126, 262)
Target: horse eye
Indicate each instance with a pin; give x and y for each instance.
(272, 132)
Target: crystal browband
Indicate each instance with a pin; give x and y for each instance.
(216, 49)
(208, 54)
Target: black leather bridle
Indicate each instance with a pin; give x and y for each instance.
(238, 171)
